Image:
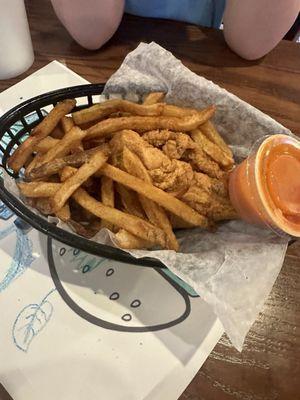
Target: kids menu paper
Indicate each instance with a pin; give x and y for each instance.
(77, 326)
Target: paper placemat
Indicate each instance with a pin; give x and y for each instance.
(76, 326)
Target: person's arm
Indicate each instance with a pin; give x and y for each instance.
(254, 27)
(90, 22)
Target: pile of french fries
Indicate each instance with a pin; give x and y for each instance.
(139, 170)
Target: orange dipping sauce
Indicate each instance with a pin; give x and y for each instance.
(265, 188)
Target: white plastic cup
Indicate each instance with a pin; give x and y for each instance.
(16, 52)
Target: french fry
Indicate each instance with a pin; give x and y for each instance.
(164, 199)
(67, 124)
(90, 144)
(212, 150)
(29, 160)
(178, 223)
(210, 131)
(87, 231)
(46, 144)
(143, 124)
(77, 148)
(154, 212)
(23, 152)
(130, 201)
(127, 240)
(57, 133)
(133, 224)
(36, 161)
(38, 189)
(69, 186)
(119, 114)
(107, 192)
(153, 98)
(107, 198)
(66, 173)
(72, 137)
(102, 110)
(43, 204)
(64, 213)
(74, 160)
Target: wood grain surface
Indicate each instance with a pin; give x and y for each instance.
(268, 368)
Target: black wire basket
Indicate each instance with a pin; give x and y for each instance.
(9, 141)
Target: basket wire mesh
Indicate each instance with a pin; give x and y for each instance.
(15, 126)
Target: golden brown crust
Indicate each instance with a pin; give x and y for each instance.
(143, 124)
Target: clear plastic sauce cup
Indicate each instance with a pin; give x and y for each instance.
(265, 188)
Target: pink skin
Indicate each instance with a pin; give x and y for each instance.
(252, 28)
(90, 22)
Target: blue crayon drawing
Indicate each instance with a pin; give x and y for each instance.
(30, 321)
(5, 212)
(22, 257)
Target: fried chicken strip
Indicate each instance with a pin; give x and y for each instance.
(178, 145)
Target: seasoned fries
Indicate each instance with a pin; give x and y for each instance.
(53, 167)
(71, 184)
(23, 152)
(209, 130)
(139, 170)
(164, 199)
(143, 124)
(46, 144)
(130, 201)
(67, 124)
(127, 240)
(133, 224)
(107, 191)
(100, 111)
(154, 97)
(57, 133)
(64, 213)
(38, 189)
(75, 135)
(107, 198)
(35, 163)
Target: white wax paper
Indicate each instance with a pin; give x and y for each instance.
(234, 268)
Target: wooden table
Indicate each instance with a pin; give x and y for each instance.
(269, 365)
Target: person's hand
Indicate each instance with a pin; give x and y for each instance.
(91, 22)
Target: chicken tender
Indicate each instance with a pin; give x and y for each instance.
(178, 145)
(173, 176)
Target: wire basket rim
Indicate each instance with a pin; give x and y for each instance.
(38, 222)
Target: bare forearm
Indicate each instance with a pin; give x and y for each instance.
(254, 27)
(90, 22)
